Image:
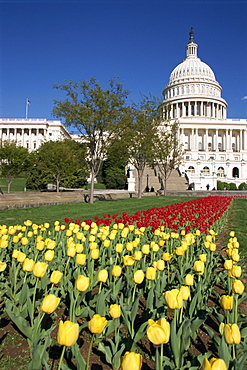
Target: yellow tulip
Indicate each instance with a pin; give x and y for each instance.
(82, 283)
(232, 234)
(150, 273)
(145, 249)
(128, 260)
(238, 287)
(160, 265)
(199, 267)
(173, 298)
(3, 244)
(80, 259)
(235, 272)
(228, 264)
(137, 255)
(189, 279)
(97, 324)
(232, 334)
(15, 253)
(39, 269)
(56, 276)
(138, 277)
(115, 311)
(116, 270)
(235, 256)
(129, 246)
(28, 264)
(21, 257)
(119, 247)
(24, 241)
(68, 333)
(40, 245)
(179, 251)
(197, 232)
(94, 254)
(15, 239)
(102, 276)
(158, 332)
(3, 266)
(131, 361)
(226, 302)
(49, 255)
(203, 257)
(166, 256)
(212, 247)
(155, 247)
(214, 364)
(51, 244)
(71, 251)
(185, 290)
(49, 303)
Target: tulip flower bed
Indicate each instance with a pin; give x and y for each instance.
(135, 289)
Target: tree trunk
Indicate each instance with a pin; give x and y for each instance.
(92, 188)
(8, 183)
(58, 182)
(139, 193)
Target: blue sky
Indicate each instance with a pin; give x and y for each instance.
(47, 42)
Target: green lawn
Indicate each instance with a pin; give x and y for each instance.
(17, 185)
(83, 211)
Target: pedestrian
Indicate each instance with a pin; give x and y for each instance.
(1, 191)
(208, 186)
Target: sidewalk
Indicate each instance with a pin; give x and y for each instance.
(27, 200)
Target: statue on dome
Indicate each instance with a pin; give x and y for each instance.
(191, 35)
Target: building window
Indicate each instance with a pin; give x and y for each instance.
(221, 172)
(235, 172)
(191, 169)
(206, 170)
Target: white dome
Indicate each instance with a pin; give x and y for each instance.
(192, 68)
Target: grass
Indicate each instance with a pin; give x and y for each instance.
(18, 186)
(84, 211)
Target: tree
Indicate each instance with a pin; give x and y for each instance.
(114, 167)
(57, 161)
(141, 135)
(13, 161)
(96, 114)
(168, 151)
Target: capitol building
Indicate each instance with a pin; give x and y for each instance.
(215, 147)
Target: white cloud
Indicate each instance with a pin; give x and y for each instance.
(244, 97)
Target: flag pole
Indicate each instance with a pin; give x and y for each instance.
(27, 104)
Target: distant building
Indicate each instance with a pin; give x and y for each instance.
(215, 146)
(31, 133)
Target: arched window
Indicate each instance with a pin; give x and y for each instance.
(191, 169)
(235, 172)
(206, 170)
(221, 172)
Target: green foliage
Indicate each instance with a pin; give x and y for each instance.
(113, 169)
(140, 134)
(97, 114)
(232, 186)
(61, 162)
(13, 161)
(168, 151)
(242, 186)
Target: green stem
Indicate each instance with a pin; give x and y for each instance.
(61, 359)
(89, 352)
(161, 356)
(33, 304)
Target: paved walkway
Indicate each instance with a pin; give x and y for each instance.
(27, 200)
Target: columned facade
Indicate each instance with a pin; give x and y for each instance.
(215, 147)
(31, 133)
